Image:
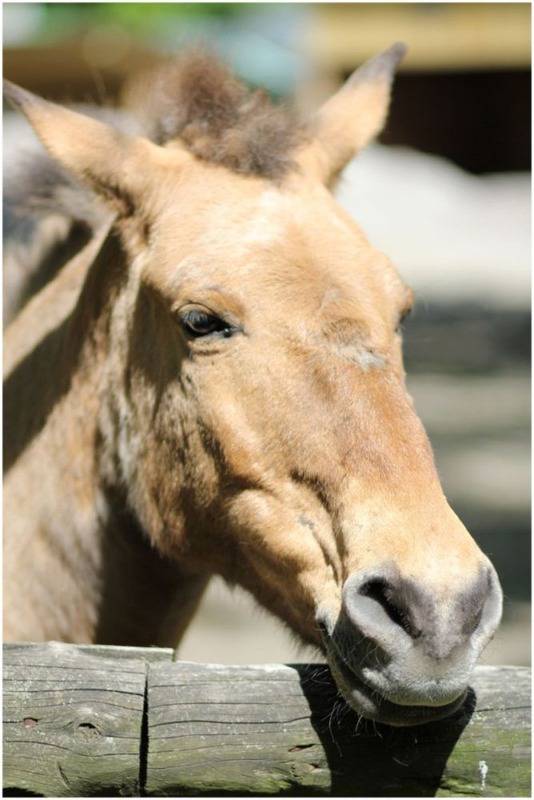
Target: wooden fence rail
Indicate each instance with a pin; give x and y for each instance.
(116, 721)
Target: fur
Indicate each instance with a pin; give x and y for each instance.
(198, 100)
(143, 455)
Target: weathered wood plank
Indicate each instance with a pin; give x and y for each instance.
(279, 729)
(72, 721)
(148, 654)
(73, 726)
(493, 756)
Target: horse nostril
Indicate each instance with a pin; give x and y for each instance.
(395, 613)
(383, 606)
(389, 598)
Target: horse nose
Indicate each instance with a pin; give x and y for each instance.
(398, 614)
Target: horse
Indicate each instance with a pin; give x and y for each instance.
(213, 384)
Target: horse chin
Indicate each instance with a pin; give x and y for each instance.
(370, 704)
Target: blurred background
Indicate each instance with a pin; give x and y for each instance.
(445, 192)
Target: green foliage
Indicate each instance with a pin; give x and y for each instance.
(60, 19)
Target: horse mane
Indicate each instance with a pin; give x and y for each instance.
(197, 99)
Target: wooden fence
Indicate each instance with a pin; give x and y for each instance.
(116, 721)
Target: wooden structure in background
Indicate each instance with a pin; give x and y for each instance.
(463, 90)
(441, 36)
(78, 70)
(87, 721)
(335, 37)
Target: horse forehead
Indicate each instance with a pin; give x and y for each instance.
(268, 216)
(293, 227)
(244, 231)
(273, 214)
(307, 238)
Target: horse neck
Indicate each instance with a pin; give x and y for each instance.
(51, 307)
(92, 574)
(54, 359)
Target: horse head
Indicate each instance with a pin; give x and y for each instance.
(256, 409)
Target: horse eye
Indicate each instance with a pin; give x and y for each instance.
(197, 322)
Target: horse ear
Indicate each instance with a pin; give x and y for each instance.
(352, 117)
(111, 162)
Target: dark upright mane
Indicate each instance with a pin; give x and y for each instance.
(197, 99)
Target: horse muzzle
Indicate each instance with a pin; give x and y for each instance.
(403, 656)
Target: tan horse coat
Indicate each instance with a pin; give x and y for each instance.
(215, 385)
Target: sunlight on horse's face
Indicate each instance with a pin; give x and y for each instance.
(306, 464)
(253, 402)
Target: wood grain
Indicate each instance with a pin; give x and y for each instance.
(280, 729)
(104, 721)
(72, 719)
